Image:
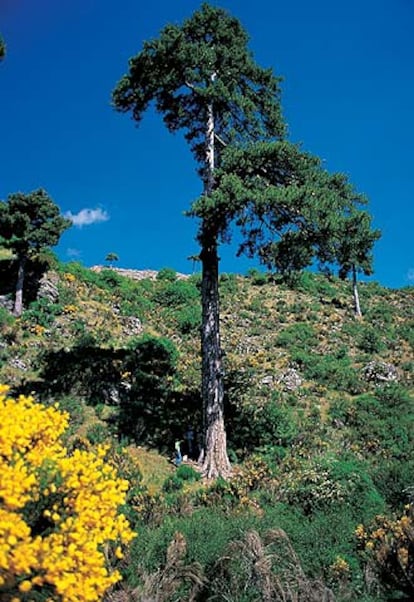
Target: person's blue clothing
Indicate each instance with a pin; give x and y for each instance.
(178, 457)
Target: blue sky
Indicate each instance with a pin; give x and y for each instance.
(348, 96)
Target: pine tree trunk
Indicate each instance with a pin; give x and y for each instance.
(214, 456)
(18, 300)
(357, 306)
(215, 460)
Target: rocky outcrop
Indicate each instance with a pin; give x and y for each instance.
(18, 363)
(48, 287)
(131, 326)
(380, 372)
(136, 274)
(290, 380)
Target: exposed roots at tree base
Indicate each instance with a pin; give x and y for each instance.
(215, 462)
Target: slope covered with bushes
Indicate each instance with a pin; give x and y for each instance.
(319, 414)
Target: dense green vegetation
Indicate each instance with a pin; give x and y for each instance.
(318, 506)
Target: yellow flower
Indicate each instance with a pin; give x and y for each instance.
(340, 566)
(69, 277)
(68, 554)
(25, 586)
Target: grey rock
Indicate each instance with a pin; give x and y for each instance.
(16, 362)
(111, 395)
(6, 302)
(136, 274)
(48, 288)
(131, 326)
(290, 380)
(380, 372)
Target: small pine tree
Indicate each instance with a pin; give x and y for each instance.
(2, 48)
(29, 224)
(111, 257)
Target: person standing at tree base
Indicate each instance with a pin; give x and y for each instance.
(177, 453)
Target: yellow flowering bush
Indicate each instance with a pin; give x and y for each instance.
(339, 569)
(70, 309)
(389, 544)
(69, 277)
(58, 511)
(37, 329)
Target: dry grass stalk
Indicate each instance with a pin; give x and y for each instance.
(271, 567)
(161, 585)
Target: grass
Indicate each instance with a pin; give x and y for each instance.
(155, 468)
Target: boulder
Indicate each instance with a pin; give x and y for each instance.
(6, 302)
(380, 372)
(48, 288)
(290, 380)
(131, 326)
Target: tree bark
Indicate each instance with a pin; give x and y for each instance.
(18, 300)
(215, 460)
(357, 306)
(214, 455)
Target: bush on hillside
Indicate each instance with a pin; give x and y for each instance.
(167, 274)
(174, 294)
(299, 334)
(327, 482)
(189, 319)
(388, 544)
(57, 510)
(334, 371)
(271, 425)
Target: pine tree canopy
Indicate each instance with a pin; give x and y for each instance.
(204, 61)
(30, 223)
(285, 204)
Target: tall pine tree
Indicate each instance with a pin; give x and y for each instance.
(202, 78)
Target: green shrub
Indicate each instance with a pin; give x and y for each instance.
(381, 423)
(110, 279)
(228, 283)
(315, 284)
(299, 334)
(6, 318)
(272, 425)
(183, 473)
(406, 331)
(167, 274)
(326, 482)
(330, 370)
(187, 473)
(394, 480)
(257, 277)
(370, 340)
(189, 319)
(82, 273)
(97, 433)
(380, 315)
(174, 294)
(41, 312)
(172, 483)
(75, 408)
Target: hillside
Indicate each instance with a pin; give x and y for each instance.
(319, 410)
